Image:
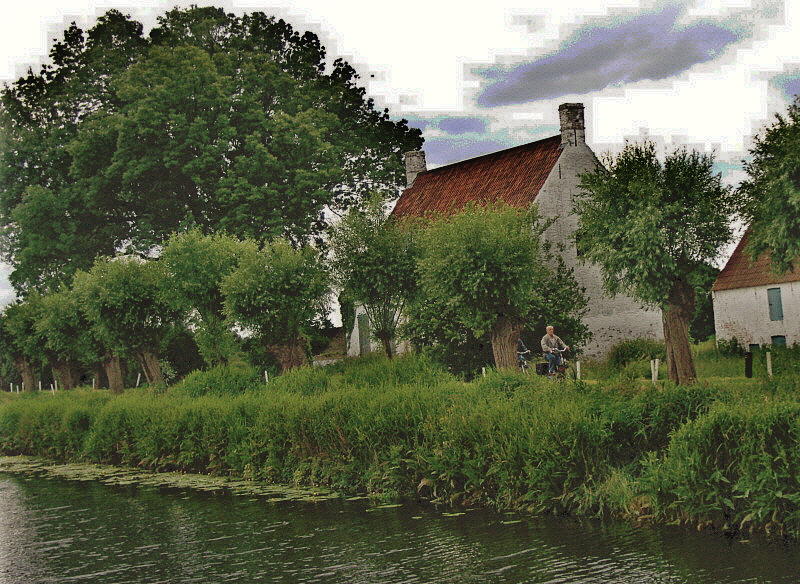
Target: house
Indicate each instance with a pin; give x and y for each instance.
(545, 172)
(754, 305)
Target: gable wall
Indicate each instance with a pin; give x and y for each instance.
(610, 320)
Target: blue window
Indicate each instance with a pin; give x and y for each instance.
(775, 304)
(779, 340)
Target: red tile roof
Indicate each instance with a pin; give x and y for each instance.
(740, 272)
(513, 176)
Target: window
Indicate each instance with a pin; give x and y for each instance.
(779, 340)
(754, 347)
(775, 304)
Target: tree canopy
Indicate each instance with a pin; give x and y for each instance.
(374, 260)
(214, 121)
(772, 191)
(484, 272)
(650, 226)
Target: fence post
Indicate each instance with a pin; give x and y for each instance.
(483, 371)
(40, 385)
(748, 364)
(138, 378)
(769, 364)
(266, 377)
(577, 370)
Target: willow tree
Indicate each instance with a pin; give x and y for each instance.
(125, 301)
(374, 260)
(650, 225)
(276, 293)
(195, 265)
(487, 270)
(772, 191)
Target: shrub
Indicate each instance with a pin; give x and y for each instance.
(635, 350)
(232, 379)
(730, 348)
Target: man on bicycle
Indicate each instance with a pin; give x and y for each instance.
(550, 342)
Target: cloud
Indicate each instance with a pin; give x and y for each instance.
(789, 84)
(650, 46)
(462, 125)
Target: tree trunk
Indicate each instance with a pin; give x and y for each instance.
(100, 377)
(291, 354)
(151, 368)
(113, 369)
(63, 371)
(504, 335)
(676, 318)
(26, 372)
(386, 341)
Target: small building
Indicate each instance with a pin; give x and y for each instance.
(754, 305)
(545, 172)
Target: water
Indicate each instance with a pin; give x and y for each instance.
(61, 531)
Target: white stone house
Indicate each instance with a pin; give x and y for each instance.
(545, 172)
(754, 305)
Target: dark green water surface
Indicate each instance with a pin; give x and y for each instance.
(55, 530)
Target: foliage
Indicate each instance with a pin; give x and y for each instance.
(651, 226)
(484, 268)
(219, 121)
(124, 300)
(731, 347)
(67, 333)
(709, 454)
(375, 261)
(19, 322)
(701, 326)
(195, 265)
(230, 379)
(772, 191)
(277, 293)
(635, 350)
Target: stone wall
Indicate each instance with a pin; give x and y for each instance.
(743, 314)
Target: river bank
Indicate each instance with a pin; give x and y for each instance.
(716, 455)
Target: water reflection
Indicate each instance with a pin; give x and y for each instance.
(58, 531)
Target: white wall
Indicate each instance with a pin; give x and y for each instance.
(743, 314)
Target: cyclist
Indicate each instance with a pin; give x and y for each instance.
(549, 342)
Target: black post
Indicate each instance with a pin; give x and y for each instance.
(748, 364)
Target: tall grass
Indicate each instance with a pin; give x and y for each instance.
(712, 453)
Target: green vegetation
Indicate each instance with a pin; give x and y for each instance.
(716, 453)
(653, 227)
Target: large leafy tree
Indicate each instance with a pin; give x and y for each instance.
(650, 226)
(215, 121)
(374, 259)
(195, 265)
(125, 300)
(772, 191)
(485, 272)
(276, 294)
(68, 338)
(23, 341)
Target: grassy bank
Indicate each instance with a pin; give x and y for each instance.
(718, 453)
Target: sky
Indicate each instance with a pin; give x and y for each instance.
(480, 77)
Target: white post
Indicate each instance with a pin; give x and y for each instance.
(40, 385)
(658, 362)
(483, 371)
(56, 383)
(266, 376)
(51, 387)
(93, 382)
(54, 392)
(138, 378)
(577, 370)
(769, 363)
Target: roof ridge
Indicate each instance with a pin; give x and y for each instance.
(452, 164)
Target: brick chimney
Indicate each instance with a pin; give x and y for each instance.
(415, 164)
(573, 128)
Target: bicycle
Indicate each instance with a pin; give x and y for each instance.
(522, 361)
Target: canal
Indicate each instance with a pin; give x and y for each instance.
(56, 530)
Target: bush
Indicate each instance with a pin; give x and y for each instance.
(730, 348)
(231, 379)
(635, 350)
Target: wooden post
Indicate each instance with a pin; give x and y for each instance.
(55, 381)
(483, 371)
(654, 363)
(266, 376)
(769, 364)
(94, 381)
(577, 370)
(138, 378)
(748, 364)
(40, 385)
